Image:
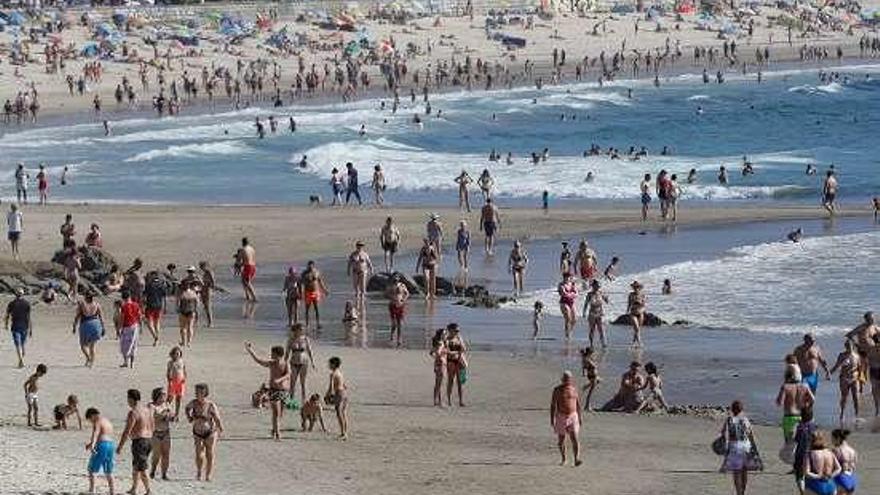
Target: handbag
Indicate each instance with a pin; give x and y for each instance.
(719, 445)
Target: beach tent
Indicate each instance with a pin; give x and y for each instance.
(89, 49)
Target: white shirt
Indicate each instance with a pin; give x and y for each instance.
(14, 221)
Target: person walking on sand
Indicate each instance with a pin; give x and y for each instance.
(279, 383)
(516, 265)
(163, 416)
(636, 305)
(207, 426)
(130, 313)
(809, 357)
(741, 453)
(206, 291)
(568, 293)
(490, 222)
(440, 353)
(463, 244)
(456, 363)
(101, 448)
(565, 417)
(337, 395)
(187, 309)
(794, 396)
(292, 295)
(427, 263)
(829, 192)
(398, 295)
(389, 239)
(849, 363)
(18, 321)
(14, 228)
(352, 184)
(139, 428)
(464, 180)
(89, 320)
(154, 300)
(246, 257)
(594, 312)
(359, 268)
(645, 189)
(314, 290)
(299, 355)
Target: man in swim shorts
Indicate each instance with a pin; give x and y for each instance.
(18, 321)
(389, 239)
(314, 289)
(809, 357)
(490, 222)
(102, 448)
(397, 296)
(829, 192)
(565, 416)
(139, 428)
(247, 259)
(794, 396)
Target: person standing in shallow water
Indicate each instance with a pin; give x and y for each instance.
(565, 417)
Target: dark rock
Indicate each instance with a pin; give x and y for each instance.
(683, 323)
(651, 320)
(444, 286)
(8, 283)
(379, 282)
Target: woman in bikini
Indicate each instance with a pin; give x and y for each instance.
(456, 363)
(846, 481)
(517, 266)
(849, 363)
(292, 295)
(567, 290)
(206, 428)
(187, 305)
(90, 322)
(440, 353)
(161, 443)
(821, 467)
(636, 310)
(427, 264)
(299, 355)
(594, 311)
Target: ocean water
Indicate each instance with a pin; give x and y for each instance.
(783, 124)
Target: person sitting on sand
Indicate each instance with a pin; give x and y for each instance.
(279, 383)
(206, 429)
(565, 417)
(311, 414)
(66, 410)
(337, 395)
(654, 386)
(627, 397)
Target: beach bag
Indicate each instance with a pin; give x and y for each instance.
(753, 460)
(786, 453)
(463, 375)
(291, 403)
(719, 446)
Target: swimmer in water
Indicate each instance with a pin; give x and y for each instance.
(875, 203)
(796, 235)
(692, 176)
(699, 110)
(722, 175)
(811, 170)
(590, 177)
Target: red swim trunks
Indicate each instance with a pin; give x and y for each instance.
(588, 272)
(312, 296)
(154, 314)
(397, 312)
(248, 272)
(176, 388)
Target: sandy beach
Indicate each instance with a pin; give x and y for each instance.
(500, 443)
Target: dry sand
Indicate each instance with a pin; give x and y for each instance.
(501, 443)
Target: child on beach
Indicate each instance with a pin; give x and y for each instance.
(311, 413)
(654, 385)
(589, 370)
(611, 269)
(31, 388)
(537, 319)
(102, 447)
(337, 395)
(175, 373)
(350, 318)
(64, 411)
